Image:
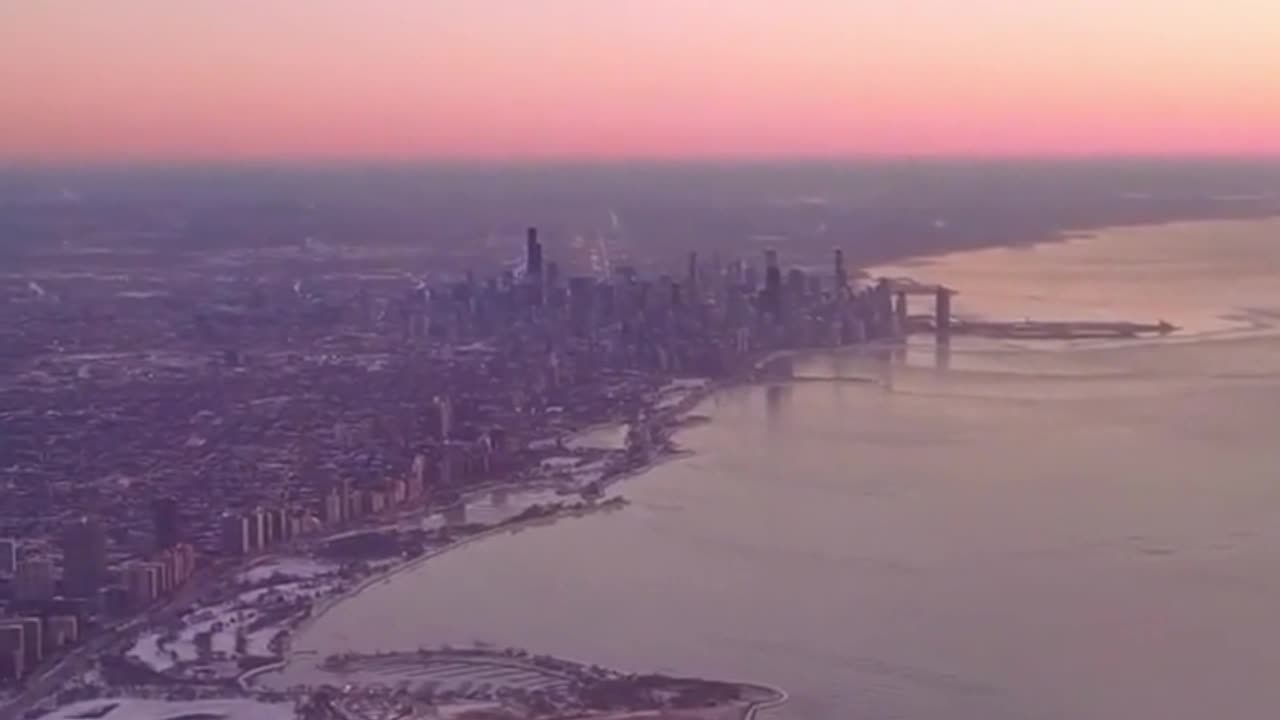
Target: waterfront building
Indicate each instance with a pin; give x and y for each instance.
(353, 507)
(174, 565)
(331, 507)
(276, 531)
(257, 535)
(235, 534)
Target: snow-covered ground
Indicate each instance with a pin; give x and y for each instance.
(455, 676)
(674, 392)
(442, 674)
(163, 649)
(605, 437)
(135, 709)
(294, 567)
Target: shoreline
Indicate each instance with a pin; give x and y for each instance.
(574, 676)
(329, 603)
(669, 418)
(780, 698)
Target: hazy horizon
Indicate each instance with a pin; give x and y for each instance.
(319, 81)
(732, 162)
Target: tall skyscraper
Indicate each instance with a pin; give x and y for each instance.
(84, 557)
(533, 267)
(166, 523)
(772, 283)
(444, 412)
(533, 253)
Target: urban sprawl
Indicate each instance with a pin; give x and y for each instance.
(285, 410)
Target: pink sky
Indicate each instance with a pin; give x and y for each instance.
(122, 80)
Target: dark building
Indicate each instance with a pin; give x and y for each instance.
(84, 552)
(533, 267)
(841, 275)
(533, 253)
(166, 523)
(772, 283)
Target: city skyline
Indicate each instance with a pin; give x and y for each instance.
(285, 80)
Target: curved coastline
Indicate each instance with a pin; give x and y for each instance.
(669, 417)
(780, 697)
(336, 599)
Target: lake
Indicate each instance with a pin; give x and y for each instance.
(1002, 530)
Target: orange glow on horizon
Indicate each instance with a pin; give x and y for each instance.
(487, 79)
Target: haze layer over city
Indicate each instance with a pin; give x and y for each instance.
(495, 361)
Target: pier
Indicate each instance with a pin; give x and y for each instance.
(1045, 330)
(1034, 330)
(942, 325)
